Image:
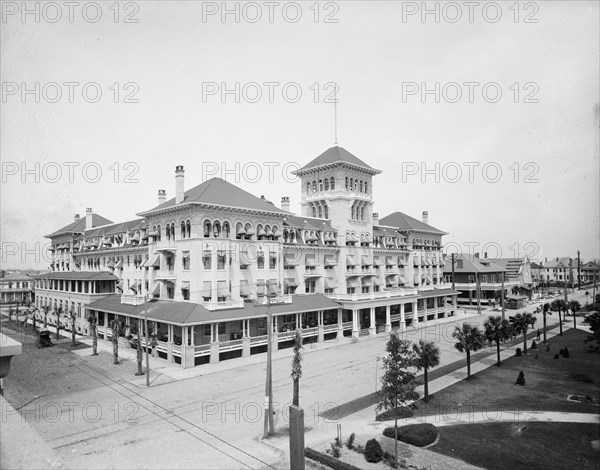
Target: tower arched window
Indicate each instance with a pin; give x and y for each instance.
(173, 230)
(360, 186)
(308, 187)
(226, 229)
(314, 186)
(320, 185)
(332, 183)
(326, 184)
(320, 212)
(182, 229)
(207, 227)
(352, 213)
(159, 232)
(217, 229)
(188, 229)
(346, 179)
(366, 186)
(326, 211)
(314, 211)
(362, 213)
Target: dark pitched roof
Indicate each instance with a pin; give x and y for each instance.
(78, 226)
(17, 276)
(335, 155)
(218, 192)
(309, 223)
(436, 292)
(407, 223)
(471, 264)
(116, 228)
(189, 313)
(80, 276)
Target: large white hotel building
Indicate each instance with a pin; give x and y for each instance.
(205, 258)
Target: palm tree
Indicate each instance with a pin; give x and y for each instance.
(94, 332)
(73, 317)
(139, 356)
(468, 338)
(574, 306)
(544, 310)
(58, 313)
(297, 366)
(521, 323)
(10, 312)
(496, 330)
(46, 308)
(116, 329)
(559, 305)
(427, 356)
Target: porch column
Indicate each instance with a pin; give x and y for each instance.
(354, 323)
(246, 342)
(340, 331)
(298, 322)
(170, 357)
(105, 317)
(192, 339)
(470, 297)
(372, 326)
(402, 319)
(388, 320)
(214, 343)
(320, 327)
(188, 349)
(415, 306)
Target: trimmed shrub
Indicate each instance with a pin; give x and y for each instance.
(335, 450)
(328, 460)
(565, 352)
(350, 441)
(373, 451)
(536, 356)
(547, 348)
(521, 378)
(419, 435)
(556, 356)
(360, 449)
(518, 353)
(402, 412)
(533, 344)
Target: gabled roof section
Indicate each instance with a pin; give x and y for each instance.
(78, 226)
(218, 192)
(335, 155)
(116, 228)
(17, 276)
(471, 264)
(405, 222)
(80, 275)
(309, 223)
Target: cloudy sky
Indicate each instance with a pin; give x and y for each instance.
(487, 118)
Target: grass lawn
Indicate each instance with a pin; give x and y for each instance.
(504, 446)
(548, 382)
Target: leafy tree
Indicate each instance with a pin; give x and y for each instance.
(522, 322)
(468, 338)
(427, 356)
(139, 354)
(94, 332)
(559, 305)
(496, 330)
(398, 382)
(116, 330)
(296, 373)
(574, 306)
(10, 312)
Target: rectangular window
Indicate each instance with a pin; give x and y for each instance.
(365, 289)
(221, 259)
(221, 328)
(207, 330)
(329, 291)
(309, 286)
(260, 260)
(471, 279)
(272, 261)
(350, 290)
(207, 259)
(186, 260)
(206, 291)
(170, 291)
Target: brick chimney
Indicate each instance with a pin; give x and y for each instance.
(179, 187)
(285, 203)
(426, 217)
(477, 255)
(162, 196)
(76, 218)
(88, 219)
(375, 218)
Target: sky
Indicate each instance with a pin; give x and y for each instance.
(486, 118)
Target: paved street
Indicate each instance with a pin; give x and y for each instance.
(96, 415)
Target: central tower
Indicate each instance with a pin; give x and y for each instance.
(338, 186)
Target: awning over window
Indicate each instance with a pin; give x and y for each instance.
(330, 260)
(185, 285)
(377, 281)
(186, 255)
(330, 283)
(156, 290)
(120, 285)
(153, 261)
(207, 289)
(310, 261)
(119, 264)
(222, 290)
(245, 288)
(110, 264)
(401, 262)
(377, 261)
(351, 261)
(366, 281)
(366, 261)
(389, 261)
(241, 231)
(244, 259)
(403, 279)
(135, 287)
(261, 232)
(290, 282)
(353, 282)
(291, 260)
(273, 287)
(428, 278)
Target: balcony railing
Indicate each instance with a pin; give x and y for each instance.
(166, 274)
(389, 293)
(280, 299)
(132, 299)
(227, 304)
(165, 245)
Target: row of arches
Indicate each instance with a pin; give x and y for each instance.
(320, 185)
(356, 185)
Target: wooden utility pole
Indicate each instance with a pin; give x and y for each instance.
(147, 342)
(478, 289)
(502, 295)
(578, 270)
(269, 426)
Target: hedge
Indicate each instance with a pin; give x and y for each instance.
(328, 460)
(420, 435)
(402, 412)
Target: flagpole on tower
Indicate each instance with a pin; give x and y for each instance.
(335, 117)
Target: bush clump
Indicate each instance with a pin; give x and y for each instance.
(533, 344)
(328, 460)
(402, 412)
(521, 378)
(350, 441)
(564, 352)
(556, 356)
(419, 435)
(518, 353)
(373, 451)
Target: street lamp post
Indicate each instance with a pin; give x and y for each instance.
(268, 405)
(147, 343)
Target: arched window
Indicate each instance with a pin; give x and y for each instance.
(217, 229)
(320, 212)
(326, 184)
(249, 231)
(182, 229)
(366, 186)
(352, 213)
(362, 213)
(173, 230)
(285, 236)
(314, 211)
(308, 187)
(293, 236)
(332, 183)
(226, 230)
(360, 186)
(207, 227)
(168, 230)
(314, 186)
(326, 212)
(158, 229)
(188, 229)
(355, 184)
(320, 185)
(346, 179)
